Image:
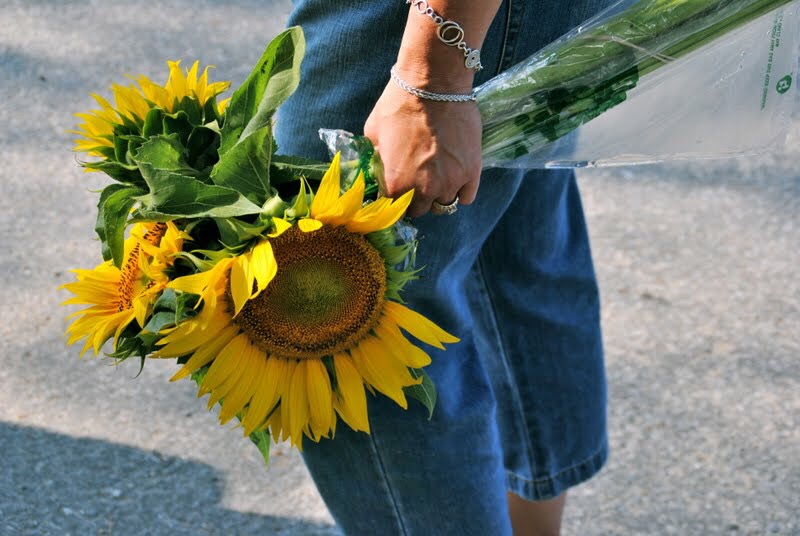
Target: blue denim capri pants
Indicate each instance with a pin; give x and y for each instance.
(522, 398)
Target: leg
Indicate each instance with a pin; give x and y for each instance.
(536, 518)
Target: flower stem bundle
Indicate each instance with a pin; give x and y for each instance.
(592, 69)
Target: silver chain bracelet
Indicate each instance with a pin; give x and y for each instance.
(450, 33)
(430, 95)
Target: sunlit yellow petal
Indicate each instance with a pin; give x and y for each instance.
(353, 399)
(226, 362)
(400, 348)
(192, 284)
(382, 372)
(191, 78)
(241, 287)
(295, 404)
(263, 264)
(329, 189)
(281, 226)
(190, 336)
(308, 225)
(347, 206)
(177, 81)
(318, 386)
(206, 353)
(200, 89)
(368, 221)
(269, 389)
(252, 362)
(419, 326)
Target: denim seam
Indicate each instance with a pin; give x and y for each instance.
(563, 471)
(392, 498)
(520, 413)
(510, 41)
(505, 38)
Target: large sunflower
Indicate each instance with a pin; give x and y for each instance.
(117, 296)
(302, 349)
(132, 103)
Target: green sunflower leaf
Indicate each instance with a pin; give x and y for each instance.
(179, 123)
(164, 152)
(175, 190)
(245, 167)
(179, 307)
(113, 210)
(202, 148)
(168, 301)
(289, 168)
(153, 123)
(262, 440)
(425, 392)
(234, 232)
(159, 321)
(274, 78)
(124, 173)
(185, 307)
(127, 346)
(100, 222)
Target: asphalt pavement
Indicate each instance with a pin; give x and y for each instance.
(698, 265)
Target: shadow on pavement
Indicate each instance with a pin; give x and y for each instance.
(56, 484)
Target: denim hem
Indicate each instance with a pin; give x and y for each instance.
(550, 487)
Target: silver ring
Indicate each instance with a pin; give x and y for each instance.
(445, 210)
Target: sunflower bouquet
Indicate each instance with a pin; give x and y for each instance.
(281, 300)
(274, 281)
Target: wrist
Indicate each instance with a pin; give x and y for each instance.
(427, 62)
(434, 70)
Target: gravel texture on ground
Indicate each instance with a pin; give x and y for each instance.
(698, 265)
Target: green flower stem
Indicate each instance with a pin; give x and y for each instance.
(574, 81)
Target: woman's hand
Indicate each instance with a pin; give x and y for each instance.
(430, 146)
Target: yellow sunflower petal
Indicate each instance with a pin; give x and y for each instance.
(400, 347)
(252, 364)
(347, 205)
(281, 226)
(417, 325)
(235, 380)
(294, 406)
(177, 81)
(369, 220)
(202, 84)
(329, 189)
(271, 385)
(263, 264)
(222, 105)
(308, 225)
(381, 371)
(203, 355)
(226, 362)
(190, 336)
(192, 284)
(241, 285)
(275, 424)
(352, 398)
(318, 386)
(141, 305)
(191, 78)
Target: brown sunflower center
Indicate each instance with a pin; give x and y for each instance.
(327, 295)
(131, 281)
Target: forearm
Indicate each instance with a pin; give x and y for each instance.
(426, 61)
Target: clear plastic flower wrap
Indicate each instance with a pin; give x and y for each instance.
(646, 81)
